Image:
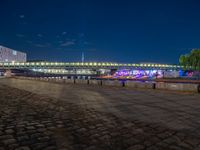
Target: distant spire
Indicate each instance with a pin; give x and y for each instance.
(83, 57)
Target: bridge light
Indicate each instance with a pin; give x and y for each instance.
(108, 64)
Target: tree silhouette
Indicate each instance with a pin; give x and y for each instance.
(191, 60)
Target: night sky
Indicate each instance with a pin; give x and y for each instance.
(106, 30)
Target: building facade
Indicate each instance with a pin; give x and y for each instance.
(10, 55)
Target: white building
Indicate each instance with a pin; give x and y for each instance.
(10, 55)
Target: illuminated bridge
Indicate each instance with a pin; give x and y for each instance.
(85, 65)
(83, 68)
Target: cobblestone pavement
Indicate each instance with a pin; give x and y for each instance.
(47, 116)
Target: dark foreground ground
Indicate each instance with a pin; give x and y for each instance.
(47, 116)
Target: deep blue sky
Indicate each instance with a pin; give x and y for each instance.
(107, 30)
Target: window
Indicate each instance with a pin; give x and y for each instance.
(14, 52)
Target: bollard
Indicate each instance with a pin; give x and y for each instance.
(88, 82)
(154, 86)
(101, 82)
(198, 88)
(123, 83)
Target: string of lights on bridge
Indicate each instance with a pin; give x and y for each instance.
(79, 64)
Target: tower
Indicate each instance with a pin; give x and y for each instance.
(83, 57)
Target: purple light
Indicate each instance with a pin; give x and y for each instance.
(137, 74)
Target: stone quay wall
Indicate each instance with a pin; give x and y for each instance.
(184, 87)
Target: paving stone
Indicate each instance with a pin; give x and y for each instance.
(2, 137)
(40, 126)
(9, 141)
(30, 128)
(91, 148)
(23, 138)
(1, 133)
(197, 148)
(51, 148)
(38, 146)
(10, 127)
(136, 147)
(186, 146)
(192, 141)
(21, 133)
(35, 135)
(153, 148)
(174, 147)
(13, 146)
(9, 131)
(44, 139)
(23, 148)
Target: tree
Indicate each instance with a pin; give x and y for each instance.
(191, 60)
